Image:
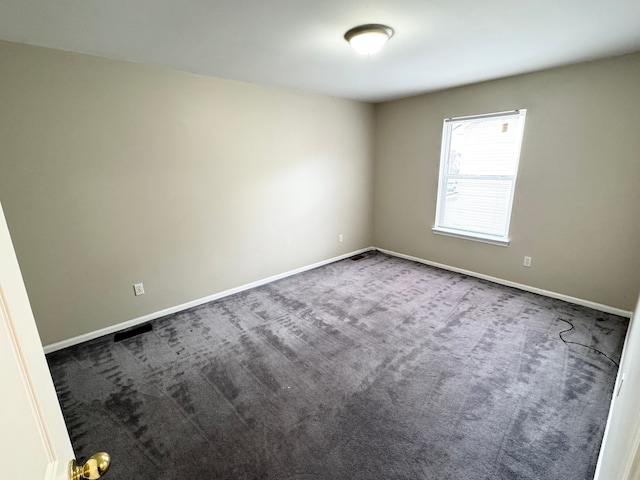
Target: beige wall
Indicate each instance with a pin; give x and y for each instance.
(577, 202)
(113, 173)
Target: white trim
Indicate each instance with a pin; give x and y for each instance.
(632, 453)
(484, 115)
(631, 458)
(622, 369)
(520, 286)
(52, 468)
(614, 395)
(476, 237)
(194, 303)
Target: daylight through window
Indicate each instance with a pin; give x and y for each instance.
(478, 168)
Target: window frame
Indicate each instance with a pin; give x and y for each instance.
(443, 177)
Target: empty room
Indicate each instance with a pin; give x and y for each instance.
(320, 240)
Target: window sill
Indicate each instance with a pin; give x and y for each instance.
(474, 237)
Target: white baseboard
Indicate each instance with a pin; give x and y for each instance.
(578, 301)
(194, 303)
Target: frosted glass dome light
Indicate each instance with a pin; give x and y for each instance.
(368, 39)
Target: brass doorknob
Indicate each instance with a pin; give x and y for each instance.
(96, 467)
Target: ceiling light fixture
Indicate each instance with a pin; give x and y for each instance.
(368, 39)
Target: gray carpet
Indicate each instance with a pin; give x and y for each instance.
(379, 368)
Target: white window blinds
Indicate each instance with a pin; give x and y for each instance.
(478, 167)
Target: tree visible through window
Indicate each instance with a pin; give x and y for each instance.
(478, 168)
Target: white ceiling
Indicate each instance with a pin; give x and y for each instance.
(299, 43)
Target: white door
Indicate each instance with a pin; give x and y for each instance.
(620, 453)
(34, 443)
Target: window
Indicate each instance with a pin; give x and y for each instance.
(478, 167)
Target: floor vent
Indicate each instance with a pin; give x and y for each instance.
(118, 337)
(357, 257)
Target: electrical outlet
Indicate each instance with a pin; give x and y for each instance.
(527, 261)
(138, 289)
(340, 238)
